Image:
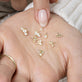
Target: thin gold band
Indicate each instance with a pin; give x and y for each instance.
(9, 58)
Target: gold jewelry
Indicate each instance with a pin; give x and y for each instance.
(37, 38)
(9, 58)
(58, 35)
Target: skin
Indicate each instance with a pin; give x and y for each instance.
(64, 59)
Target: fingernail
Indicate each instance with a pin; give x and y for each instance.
(43, 17)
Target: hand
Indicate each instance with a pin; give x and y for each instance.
(30, 66)
(56, 62)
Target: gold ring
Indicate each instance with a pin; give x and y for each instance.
(9, 58)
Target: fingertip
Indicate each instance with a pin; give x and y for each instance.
(42, 12)
(43, 17)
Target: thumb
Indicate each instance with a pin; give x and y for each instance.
(42, 11)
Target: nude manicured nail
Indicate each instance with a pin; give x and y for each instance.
(43, 17)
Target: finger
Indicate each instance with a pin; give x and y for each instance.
(19, 4)
(4, 0)
(20, 78)
(7, 69)
(53, 1)
(1, 44)
(42, 11)
(75, 68)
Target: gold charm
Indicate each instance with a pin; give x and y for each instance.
(58, 35)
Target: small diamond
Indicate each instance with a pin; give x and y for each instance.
(41, 29)
(25, 34)
(25, 31)
(37, 34)
(52, 43)
(34, 39)
(39, 42)
(41, 52)
(46, 36)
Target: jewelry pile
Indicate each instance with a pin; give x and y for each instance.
(36, 39)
